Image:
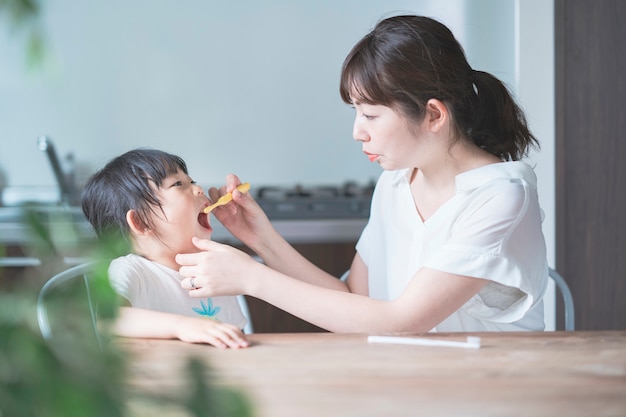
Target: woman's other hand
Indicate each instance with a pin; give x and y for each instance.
(243, 217)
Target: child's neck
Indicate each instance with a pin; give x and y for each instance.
(165, 261)
(155, 253)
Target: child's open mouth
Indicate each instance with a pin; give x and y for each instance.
(203, 219)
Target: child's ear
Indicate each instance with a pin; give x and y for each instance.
(136, 225)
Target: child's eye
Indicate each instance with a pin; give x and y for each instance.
(177, 184)
(193, 182)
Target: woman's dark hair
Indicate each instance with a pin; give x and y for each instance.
(407, 60)
(128, 182)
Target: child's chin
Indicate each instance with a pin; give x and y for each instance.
(205, 233)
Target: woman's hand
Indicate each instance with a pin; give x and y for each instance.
(243, 217)
(217, 270)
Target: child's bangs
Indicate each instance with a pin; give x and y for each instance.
(162, 166)
(173, 164)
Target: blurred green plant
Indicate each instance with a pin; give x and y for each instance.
(70, 377)
(74, 374)
(23, 18)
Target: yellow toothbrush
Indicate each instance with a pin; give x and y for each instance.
(244, 188)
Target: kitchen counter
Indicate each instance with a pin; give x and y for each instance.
(305, 231)
(65, 225)
(13, 230)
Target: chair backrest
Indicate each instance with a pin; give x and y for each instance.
(243, 304)
(568, 300)
(79, 275)
(561, 285)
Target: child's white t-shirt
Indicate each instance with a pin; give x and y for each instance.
(152, 286)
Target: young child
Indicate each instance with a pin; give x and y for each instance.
(146, 197)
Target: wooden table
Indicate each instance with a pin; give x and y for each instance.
(326, 374)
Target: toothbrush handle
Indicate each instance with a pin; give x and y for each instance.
(244, 188)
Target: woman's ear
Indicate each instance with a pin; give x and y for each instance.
(436, 114)
(136, 225)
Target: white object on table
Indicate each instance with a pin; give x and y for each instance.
(472, 341)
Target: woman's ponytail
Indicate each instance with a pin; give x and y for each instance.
(499, 125)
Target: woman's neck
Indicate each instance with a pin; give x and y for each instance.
(463, 156)
(433, 185)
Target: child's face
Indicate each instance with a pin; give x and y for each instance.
(182, 218)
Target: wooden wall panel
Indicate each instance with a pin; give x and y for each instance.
(590, 97)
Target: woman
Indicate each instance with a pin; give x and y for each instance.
(454, 240)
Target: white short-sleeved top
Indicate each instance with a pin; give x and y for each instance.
(490, 229)
(152, 286)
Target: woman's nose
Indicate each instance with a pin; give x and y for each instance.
(358, 133)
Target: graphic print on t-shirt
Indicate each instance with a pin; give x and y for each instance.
(207, 309)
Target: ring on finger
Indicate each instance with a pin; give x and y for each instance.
(192, 283)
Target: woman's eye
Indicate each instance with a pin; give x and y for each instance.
(369, 117)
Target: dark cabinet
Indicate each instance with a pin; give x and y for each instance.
(334, 258)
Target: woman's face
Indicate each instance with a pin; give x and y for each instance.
(388, 137)
(182, 202)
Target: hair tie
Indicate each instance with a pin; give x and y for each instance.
(474, 76)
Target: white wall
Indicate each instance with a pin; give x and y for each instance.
(535, 87)
(249, 87)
